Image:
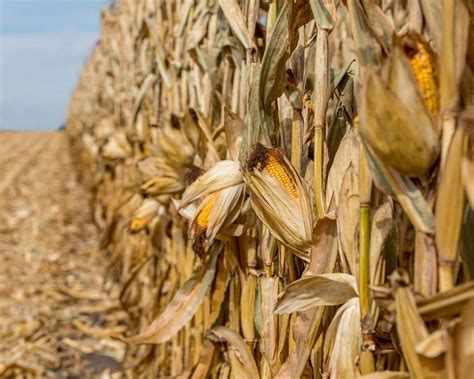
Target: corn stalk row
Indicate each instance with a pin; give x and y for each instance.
(285, 189)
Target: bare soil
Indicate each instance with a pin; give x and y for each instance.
(59, 318)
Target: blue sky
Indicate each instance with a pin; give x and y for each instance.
(43, 45)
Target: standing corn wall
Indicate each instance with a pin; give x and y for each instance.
(285, 188)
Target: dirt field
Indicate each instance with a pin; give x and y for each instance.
(57, 315)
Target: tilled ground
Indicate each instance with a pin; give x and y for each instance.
(58, 317)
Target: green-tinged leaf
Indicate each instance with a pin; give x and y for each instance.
(235, 18)
(337, 76)
(366, 45)
(324, 13)
(272, 80)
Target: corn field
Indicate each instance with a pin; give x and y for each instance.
(285, 189)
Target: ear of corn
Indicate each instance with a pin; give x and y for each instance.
(276, 170)
(267, 265)
(422, 66)
(270, 161)
(202, 219)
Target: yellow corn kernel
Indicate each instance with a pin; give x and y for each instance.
(138, 223)
(424, 74)
(276, 170)
(203, 216)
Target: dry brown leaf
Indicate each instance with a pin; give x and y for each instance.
(312, 291)
(241, 359)
(182, 307)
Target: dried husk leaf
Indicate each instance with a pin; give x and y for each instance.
(305, 329)
(434, 345)
(408, 195)
(219, 288)
(381, 226)
(343, 341)
(426, 275)
(142, 215)
(348, 216)
(247, 306)
(463, 337)
(453, 52)
(182, 307)
(205, 359)
(387, 375)
(324, 251)
(324, 289)
(449, 211)
(411, 331)
(468, 179)
(345, 156)
(241, 359)
(222, 175)
(289, 218)
(162, 185)
(446, 304)
(269, 288)
(117, 147)
(234, 129)
(396, 131)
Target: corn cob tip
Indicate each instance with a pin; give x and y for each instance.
(271, 161)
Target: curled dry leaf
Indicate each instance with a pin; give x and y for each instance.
(241, 359)
(182, 307)
(312, 291)
(343, 341)
(412, 331)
